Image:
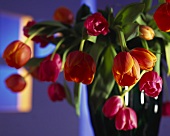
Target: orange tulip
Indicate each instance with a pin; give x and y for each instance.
(17, 54)
(146, 32)
(64, 15)
(79, 67)
(162, 17)
(145, 58)
(125, 69)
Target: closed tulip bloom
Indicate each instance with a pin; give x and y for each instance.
(125, 69)
(162, 17)
(64, 15)
(56, 92)
(126, 119)
(166, 109)
(50, 69)
(79, 67)
(112, 106)
(151, 84)
(15, 82)
(146, 32)
(96, 24)
(17, 54)
(145, 58)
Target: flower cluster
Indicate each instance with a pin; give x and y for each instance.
(105, 52)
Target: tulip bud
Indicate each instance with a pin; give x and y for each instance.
(64, 15)
(56, 92)
(16, 83)
(79, 67)
(17, 54)
(112, 106)
(151, 84)
(146, 32)
(50, 69)
(166, 109)
(126, 119)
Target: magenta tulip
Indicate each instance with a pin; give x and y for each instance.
(166, 109)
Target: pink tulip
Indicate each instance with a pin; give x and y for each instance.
(126, 119)
(112, 106)
(166, 109)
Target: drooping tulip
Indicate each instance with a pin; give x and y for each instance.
(96, 24)
(162, 17)
(56, 92)
(126, 119)
(79, 67)
(112, 106)
(64, 15)
(17, 54)
(146, 32)
(126, 70)
(151, 84)
(166, 109)
(50, 69)
(145, 58)
(15, 82)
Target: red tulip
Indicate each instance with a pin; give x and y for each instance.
(79, 67)
(146, 32)
(145, 58)
(166, 109)
(125, 69)
(64, 15)
(17, 54)
(96, 24)
(50, 69)
(112, 106)
(16, 83)
(151, 84)
(162, 17)
(126, 119)
(56, 92)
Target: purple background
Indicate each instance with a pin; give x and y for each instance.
(47, 118)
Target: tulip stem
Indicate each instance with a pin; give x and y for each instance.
(130, 87)
(145, 44)
(56, 48)
(82, 45)
(34, 34)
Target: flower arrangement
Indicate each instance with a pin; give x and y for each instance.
(112, 54)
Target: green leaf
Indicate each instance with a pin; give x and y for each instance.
(131, 31)
(129, 14)
(34, 62)
(148, 5)
(161, 1)
(167, 53)
(160, 34)
(158, 55)
(77, 97)
(68, 94)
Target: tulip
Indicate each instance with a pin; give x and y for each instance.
(162, 17)
(64, 15)
(126, 70)
(79, 67)
(96, 24)
(145, 58)
(151, 84)
(112, 106)
(146, 32)
(126, 119)
(16, 83)
(56, 92)
(166, 109)
(50, 69)
(17, 54)
(34, 71)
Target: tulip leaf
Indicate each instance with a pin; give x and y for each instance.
(92, 38)
(161, 1)
(148, 4)
(129, 14)
(160, 34)
(167, 52)
(77, 97)
(68, 94)
(104, 81)
(34, 62)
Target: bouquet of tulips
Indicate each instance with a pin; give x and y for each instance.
(112, 54)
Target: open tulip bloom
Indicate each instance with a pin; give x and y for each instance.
(113, 55)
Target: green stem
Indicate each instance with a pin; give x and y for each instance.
(56, 48)
(34, 34)
(82, 45)
(130, 87)
(145, 44)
